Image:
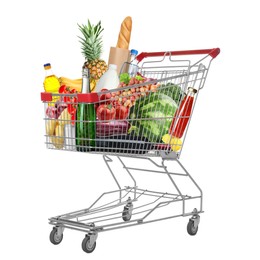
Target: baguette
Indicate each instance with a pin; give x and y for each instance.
(125, 33)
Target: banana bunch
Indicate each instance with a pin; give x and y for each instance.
(76, 83)
(55, 128)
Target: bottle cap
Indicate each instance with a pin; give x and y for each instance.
(112, 66)
(47, 66)
(134, 52)
(190, 89)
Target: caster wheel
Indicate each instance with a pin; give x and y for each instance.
(54, 237)
(126, 215)
(191, 229)
(86, 246)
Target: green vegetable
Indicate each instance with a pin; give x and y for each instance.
(151, 116)
(172, 90)
(124, 77)
(138, 77)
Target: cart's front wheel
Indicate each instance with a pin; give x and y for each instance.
(191, 228)
(127, 214)
(55, 238)
(86, 245)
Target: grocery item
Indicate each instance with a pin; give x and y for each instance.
(111, 128)
(58, 138)
(64, 118)
(151, 116)
(106, 112)
(69, 137)
(91, 41)
(121, 112)
(133, 66)
(50, 126)
(86, 117)
(109, 80)
(125, 33)
(172, 90)
(76, 83)
(182, 115)
(120, 57)
(51, 83)
(174, 142)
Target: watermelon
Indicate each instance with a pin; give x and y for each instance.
(151, 116)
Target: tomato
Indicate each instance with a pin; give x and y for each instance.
(64, 89)
(121, 112)
(73, 91)
(106, 112)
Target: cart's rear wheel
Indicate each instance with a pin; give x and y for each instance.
(86, 245)
(126, 215)
(54, 237)
(191, 229)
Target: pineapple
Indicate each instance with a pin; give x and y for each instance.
(91, 49)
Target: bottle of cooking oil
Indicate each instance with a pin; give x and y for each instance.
(51, 83)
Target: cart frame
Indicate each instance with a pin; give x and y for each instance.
(123, 210)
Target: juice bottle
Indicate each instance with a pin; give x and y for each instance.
(51, 83)
(182, 114)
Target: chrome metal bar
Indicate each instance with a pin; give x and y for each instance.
(145, 170)
(108, 159)
(168, 197)
(200, 190)
(129, 174)
(176, 187)
(102, 206)
(161, 204)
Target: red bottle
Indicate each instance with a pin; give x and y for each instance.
(182, 114)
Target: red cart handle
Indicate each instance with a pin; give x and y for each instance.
(212, 52)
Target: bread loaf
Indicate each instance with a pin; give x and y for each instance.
(125, 33)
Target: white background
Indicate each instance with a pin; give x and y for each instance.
(221, 151)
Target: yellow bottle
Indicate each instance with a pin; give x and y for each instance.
(51, 83)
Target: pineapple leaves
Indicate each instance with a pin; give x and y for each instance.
(91, 40)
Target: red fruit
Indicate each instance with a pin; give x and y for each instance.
(73, 91)
(106, 112)
(64, 89)
(121, 112)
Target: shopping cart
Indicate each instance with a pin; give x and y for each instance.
(143, 129)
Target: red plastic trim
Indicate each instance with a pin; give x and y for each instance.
(212, 52)
(88, 97)
(45, 96)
